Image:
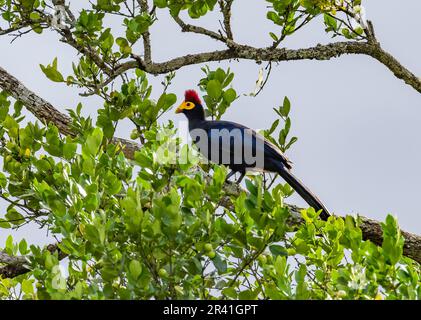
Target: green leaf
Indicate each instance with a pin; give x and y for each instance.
(124, 46)
(4, 224)
(286, 108)
(92, 234)
(392, 240)
(9, 244)
(93, 143)
(160, 3)
(135, 268)
(273, 36)
(166, 101)
(230, 95)
(330, 22)
(34, 16)
(51, 72)
(251, 187)
(277, 250)
(27, 4)
(106, 39)
(170, 99)
(27, 286)
(69, 150)
(3, 180)
(274, 17)
(247, 295)
(214, 89)
(220, 264)
(291, 142)
(23, 247)
(14, 217)
(273, 127)
(230, 293)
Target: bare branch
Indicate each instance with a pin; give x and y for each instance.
(146, 35)
(225, 6)
(85, 50)
(195, 29)
(371, 229)
(13, 29)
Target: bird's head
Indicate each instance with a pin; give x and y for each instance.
(192, 106)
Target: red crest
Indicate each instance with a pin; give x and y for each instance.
(192, 96)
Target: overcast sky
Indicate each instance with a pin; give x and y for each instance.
(359, 146)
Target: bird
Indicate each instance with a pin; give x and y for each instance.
(241, 149)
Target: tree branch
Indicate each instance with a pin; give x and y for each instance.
(200, 30)
(146, 35)
(46, 113)
(238, 51)
(319, 52)
(371, 229)
(68, 38)
(17, 265)
(225, 6)
(13, 29)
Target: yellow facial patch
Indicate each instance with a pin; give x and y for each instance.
(186, 105)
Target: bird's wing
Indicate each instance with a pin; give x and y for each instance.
(220, 137)
(256, 141)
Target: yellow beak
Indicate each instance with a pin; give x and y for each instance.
(181, 107)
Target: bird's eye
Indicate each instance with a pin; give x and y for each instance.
(189, 105)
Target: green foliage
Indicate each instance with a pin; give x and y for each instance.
(218, 96)
(137, 26)
(341, 18)
(156, 226)
(152, 229)
(51, 72)
(282, 142)
(196, 8)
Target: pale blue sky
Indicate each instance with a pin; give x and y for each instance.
(358, 126)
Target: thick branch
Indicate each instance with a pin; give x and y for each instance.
(319, 52)
(371, 229)
(17, 265)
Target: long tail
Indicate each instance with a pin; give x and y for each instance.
(304, 192)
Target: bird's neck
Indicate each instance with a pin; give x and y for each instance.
(196, 123)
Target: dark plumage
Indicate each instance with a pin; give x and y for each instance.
(240, 148)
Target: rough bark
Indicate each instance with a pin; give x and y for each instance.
(17, 265)
(237, 51)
